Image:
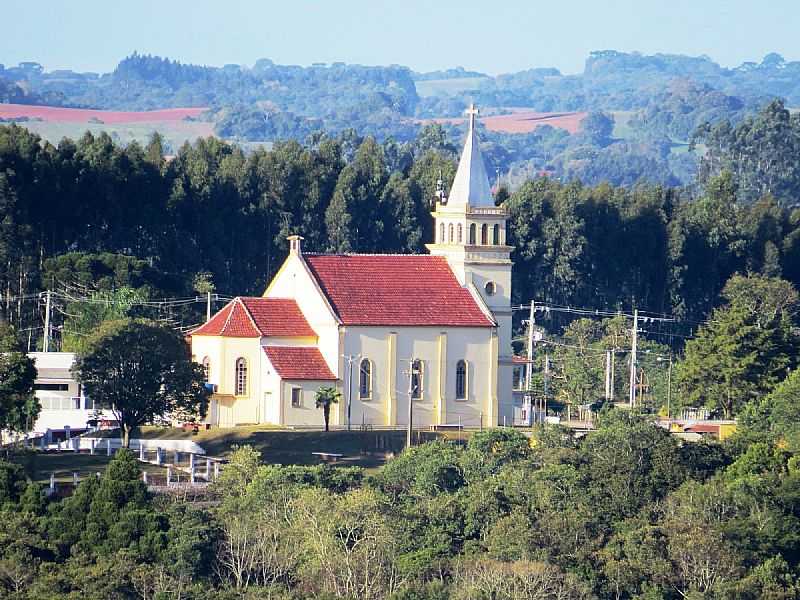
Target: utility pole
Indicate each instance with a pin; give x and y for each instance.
(208, 306)
(608, 375)
(47, 322)
(611, 376)
(529, 364)
(669, 384)
(635, 331)
(350, 358)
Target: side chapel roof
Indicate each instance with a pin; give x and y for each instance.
(258, 317)
(299, 363)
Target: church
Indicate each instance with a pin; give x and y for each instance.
(432, 331)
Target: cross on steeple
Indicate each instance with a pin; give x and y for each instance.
(472, 112)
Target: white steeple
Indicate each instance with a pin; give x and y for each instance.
(471, 184)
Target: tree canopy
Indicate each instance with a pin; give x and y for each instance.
(142, 372)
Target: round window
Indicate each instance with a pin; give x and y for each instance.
(490, 288)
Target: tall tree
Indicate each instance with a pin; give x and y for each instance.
(746, 348)
(355, 218)
(19, 407)
(142, 372)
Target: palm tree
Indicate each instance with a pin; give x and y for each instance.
(326, 396)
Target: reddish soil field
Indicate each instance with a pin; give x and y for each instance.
(524, 121)
(79, 115)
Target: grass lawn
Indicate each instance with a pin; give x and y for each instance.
(39, 465)
(369, 449)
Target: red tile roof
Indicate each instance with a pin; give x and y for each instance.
(278, 317)
(292, 362)
(258, 317)
(395, 289)
(702, 428)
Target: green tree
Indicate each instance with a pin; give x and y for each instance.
(777, 414)
(19, 407)
(324, 398)
(143, 372)
(746, 348)
(355, 218)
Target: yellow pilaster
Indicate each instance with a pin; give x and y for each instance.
(340, 415)
(391, 379)
(441, 399)
(492, 406)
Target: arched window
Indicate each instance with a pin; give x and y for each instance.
(206, 368)
(450, 233)
(417, 378)
(460, 233)
(472, 234)
(241, 377)
(484, 235)
(496, 234)
(441, 233)
(365, 379)
(461, 380)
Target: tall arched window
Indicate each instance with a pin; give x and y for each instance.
(206, 368)
(496, 234)
(417, 378)
(484, 234)
(472, 234)
(461, 380)
(460, 233)
(365, 379)
(441, 233)
(450, 233)
(241, 377)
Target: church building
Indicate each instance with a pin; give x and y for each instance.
(432, 330)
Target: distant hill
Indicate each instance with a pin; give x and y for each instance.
(653, 104)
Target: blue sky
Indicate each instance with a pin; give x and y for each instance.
(494, 37)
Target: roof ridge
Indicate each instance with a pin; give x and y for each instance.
(250, 316)
(228, 318)
(415, 255)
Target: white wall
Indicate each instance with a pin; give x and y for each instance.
(293, 280)
(59, 407)
(307, 413)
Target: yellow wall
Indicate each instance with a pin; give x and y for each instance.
(391, 349)
(223, 353)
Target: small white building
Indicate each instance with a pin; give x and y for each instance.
(64, 405)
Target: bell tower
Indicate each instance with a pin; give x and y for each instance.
(471, 234)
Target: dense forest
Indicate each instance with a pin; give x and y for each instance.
(126, 227)
(653, 104)
(212, 209)
(624, 513)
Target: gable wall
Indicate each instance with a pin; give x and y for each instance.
(294, 281)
